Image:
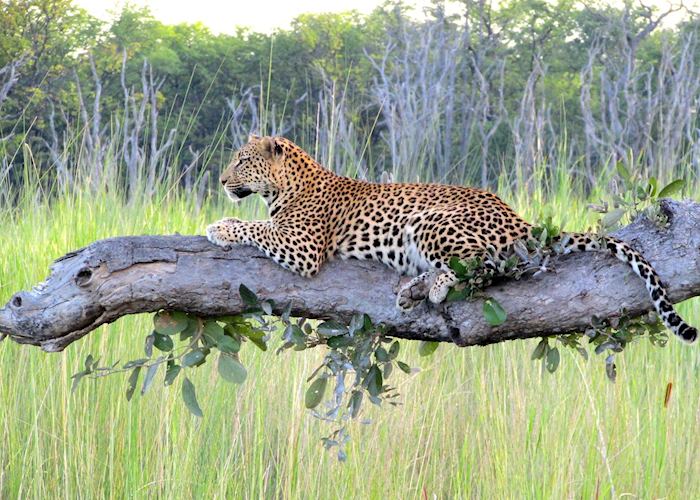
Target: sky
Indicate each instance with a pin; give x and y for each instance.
(222, 16)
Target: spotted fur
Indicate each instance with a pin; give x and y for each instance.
(412, 228)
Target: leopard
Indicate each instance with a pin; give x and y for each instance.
(414, 228)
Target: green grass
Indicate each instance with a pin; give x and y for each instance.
(476, 422)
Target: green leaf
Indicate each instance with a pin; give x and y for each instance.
(90, 363)
(133, 380)
(331, 329)
(77, 378)
(540, 350)
(394, 350)
(148, 379)
(458, 267)
(583, 353)
(189, 396)
(367, 323)
(552, 359)
(623, 172)
(192, 358)
(339, 341)
(231, 370)
(404, 367)
(642, 193)
(229, 344)
(610, 368)
(314, 394)
(672, 188)
(171, 373)
(163, 343)
(228, 319)
(170, 322)
(457, 294)
(381, 354)
(426, 348)
(257, 337)
(652, 187)
(355, 403)
(213, 331)
(247, 295)
(297, 335)
(613, 217)
(374, 381)
(148, 346)
(494, 313)
(266, 307)
(190, 330)
(135, 363)
(286, 313)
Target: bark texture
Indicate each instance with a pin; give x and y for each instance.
(127, 275)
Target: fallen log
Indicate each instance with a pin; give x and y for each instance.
(129, 275)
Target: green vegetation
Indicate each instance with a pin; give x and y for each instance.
(122, 129)
(476, 421)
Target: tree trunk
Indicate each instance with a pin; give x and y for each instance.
(118, 276)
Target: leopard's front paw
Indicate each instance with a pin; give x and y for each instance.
(405, 302)
(222, 232)
(412, 293)
(415, 291)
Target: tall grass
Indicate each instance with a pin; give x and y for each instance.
(477, 422)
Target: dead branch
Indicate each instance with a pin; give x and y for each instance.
(111, 278)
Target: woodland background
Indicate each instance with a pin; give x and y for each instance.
(488, 94)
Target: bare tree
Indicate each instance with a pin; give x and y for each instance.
(143, 154)
(57, 152)
(528, 125)
(244, 118)
(643, 112)
(337, 144)
(157, 151)
(9, 74)
(91, 127)
(414, 87)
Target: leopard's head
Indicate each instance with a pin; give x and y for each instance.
(255, 168)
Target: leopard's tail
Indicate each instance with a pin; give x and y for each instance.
(582, 242)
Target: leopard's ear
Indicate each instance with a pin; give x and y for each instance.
(253, 138)
(271, 148)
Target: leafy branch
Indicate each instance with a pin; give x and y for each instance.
(532, 257)
(185, 342)
(635, 197)
(359, 359)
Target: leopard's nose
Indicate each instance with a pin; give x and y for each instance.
(222, 180)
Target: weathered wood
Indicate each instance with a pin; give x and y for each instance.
(111, 278)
